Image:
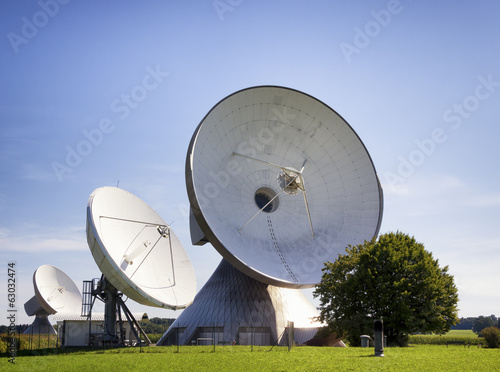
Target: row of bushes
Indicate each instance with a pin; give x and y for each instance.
(28, 342)
(154, 338)
(33, 342)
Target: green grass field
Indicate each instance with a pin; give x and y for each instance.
(242, 358)
(461, 332)
(426, 353)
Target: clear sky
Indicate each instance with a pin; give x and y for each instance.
(98, 93)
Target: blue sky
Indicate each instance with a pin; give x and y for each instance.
(100, 93)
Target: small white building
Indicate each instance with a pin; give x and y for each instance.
(76, 330)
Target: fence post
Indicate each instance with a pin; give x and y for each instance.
(291, 337)
(177, 337)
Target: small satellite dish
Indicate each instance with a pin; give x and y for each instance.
(55, 292)
(279, 183)
(137, 252)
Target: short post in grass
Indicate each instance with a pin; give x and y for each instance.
(251, 337)
(291, 337)
(379, 337)
(177, 337)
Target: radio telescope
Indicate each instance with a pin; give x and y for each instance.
(55, 292)
(138, 254)
(279, 183)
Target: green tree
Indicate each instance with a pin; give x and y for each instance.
(491, 336)
(464, 323)
(156, 325)
(483, 322)
(393, 278)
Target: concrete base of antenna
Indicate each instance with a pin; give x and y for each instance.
(233, 308)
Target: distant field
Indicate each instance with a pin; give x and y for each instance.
(461, 332)
(467, 336)
(242, 358)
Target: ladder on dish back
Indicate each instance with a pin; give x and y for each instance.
(87, 297)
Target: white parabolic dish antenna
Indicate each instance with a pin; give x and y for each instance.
(55, 291)
(279, 183)
(137, 251)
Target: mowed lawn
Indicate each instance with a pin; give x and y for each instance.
(242, 358)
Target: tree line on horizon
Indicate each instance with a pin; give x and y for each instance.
(160, 325)
(477, 324)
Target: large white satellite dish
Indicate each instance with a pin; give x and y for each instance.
(279, 183)
(137, 251)
(55, 292)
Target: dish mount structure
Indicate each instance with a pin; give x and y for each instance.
(278, 183)
(139, 256)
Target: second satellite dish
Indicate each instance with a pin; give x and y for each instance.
(279, 183)
(55, 292)
(137, 251)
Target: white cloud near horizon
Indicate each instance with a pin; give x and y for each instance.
(47, 242)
